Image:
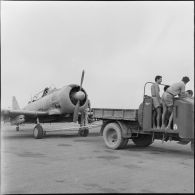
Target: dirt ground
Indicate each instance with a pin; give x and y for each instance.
(63, 162)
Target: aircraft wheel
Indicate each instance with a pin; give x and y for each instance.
(17, 128)
(192, 146)
(84, 132)
(143, 140)
(38, 132)
(113, 136)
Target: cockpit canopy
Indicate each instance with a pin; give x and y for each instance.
(42, 93)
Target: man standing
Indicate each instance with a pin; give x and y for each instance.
(164, 107)
(85, 114)
(174, 90)
(155, 92)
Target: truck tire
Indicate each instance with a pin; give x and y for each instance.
(113, 136)
(192, 146)
(143, 140)
(38, 132)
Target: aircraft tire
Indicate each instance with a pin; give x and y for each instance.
(17, 128)
(143, 140)
(112, 135)
(84, 132)
(38, 132)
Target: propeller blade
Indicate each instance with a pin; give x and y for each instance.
(76, 112)
(82, 78)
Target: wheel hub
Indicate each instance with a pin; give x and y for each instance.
(112, 137)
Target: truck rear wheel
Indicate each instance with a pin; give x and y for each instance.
(192, 146)
(113, 136)
(143, 140)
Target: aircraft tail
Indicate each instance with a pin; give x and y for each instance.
(15, 105)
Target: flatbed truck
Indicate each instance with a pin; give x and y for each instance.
(120, 125)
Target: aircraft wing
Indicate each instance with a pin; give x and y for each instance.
(12, 113)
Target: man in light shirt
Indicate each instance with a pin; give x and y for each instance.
(85, 113)
(155, 92)
(174, 90)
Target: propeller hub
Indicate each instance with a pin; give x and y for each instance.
(80, 95)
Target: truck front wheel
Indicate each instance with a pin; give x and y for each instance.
(143, 140)
(113, 136)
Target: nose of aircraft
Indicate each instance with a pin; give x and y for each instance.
(80, 95)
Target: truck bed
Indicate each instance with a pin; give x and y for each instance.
(118, 114)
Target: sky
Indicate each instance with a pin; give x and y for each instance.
(121, 45)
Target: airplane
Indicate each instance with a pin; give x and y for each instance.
(66, 104)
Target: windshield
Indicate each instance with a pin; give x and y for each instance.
(42, 93)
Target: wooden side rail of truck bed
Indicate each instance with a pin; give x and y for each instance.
(115, 114)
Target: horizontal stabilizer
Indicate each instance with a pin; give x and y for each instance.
(15, 105)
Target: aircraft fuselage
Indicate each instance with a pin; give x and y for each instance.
(60, 101)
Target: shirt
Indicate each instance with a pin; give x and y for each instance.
(163, 95)
(177, 88)
(155, 90)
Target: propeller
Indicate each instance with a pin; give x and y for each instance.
(79, 96)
